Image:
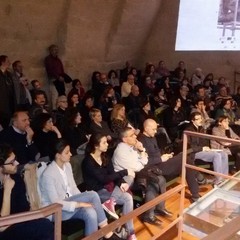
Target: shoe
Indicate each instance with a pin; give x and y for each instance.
(121, 232)
(194, 198)
(163, 213)
(108, 206)
(113, 237)
(152, 220)
(132, 237)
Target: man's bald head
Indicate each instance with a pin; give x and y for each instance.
(135, 90)
(150, 127)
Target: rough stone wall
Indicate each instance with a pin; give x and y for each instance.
(99, 35)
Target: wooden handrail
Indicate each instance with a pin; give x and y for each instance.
(117, 223)
(180, 188)
(55, 209)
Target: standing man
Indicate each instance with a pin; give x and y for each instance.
(13, 200)
(8, 99)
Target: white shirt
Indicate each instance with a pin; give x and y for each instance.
(126, 157)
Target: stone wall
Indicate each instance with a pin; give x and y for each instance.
(99, 35)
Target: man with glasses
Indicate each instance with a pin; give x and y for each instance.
(130, 154)
(13, 200)
(201, 149)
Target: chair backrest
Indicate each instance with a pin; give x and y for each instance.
(32, 172)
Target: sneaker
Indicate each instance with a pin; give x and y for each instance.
(132, 237)
(108, 206)
(113, 237)
(121, 232)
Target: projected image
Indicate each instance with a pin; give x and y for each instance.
(208, 25)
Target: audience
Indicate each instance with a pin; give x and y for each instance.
(57, 185)
(99, 175)
(13, 200)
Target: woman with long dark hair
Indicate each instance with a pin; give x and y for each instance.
(57, 185)
(99, 175)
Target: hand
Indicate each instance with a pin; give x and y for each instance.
(8, 183)
(137, 131)
(206, 149)
(55, 129)
(124, 187)
(166, 156)
(139, 146)
(131, 173)
(83, 205)
(30, 133)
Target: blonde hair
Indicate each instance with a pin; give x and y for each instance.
(115, 110)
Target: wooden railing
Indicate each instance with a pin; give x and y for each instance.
(180, 188)
(55, 209)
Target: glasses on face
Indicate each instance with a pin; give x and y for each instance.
(11, 162)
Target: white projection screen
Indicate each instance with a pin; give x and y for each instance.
(208, 25)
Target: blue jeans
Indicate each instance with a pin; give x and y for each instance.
(92, 216)
(122, 198)
(219, 160)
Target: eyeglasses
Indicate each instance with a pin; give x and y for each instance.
(11, 162)
(197, 119)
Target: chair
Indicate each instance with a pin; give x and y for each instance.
(71, 229)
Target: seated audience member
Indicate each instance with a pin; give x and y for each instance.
(208, 83)
(174, 119)
(102, 84)
(87, 104)
(73, 132)
(8, 99)
(58, 186)
(125, 72)
(186, 102)
(152, 73)
(170, 165)
(95, 79)
(22, 93)
(77, 88)
(98, 126)
(107, 102)
(99, 175)
(13, 200)
(168, 87)
(45, 135)
(236, 97)
(61, 106)
(200, 107)
(131, 148)
(225, 108)
(55, 70)
(73, 99)
(39, 104)
(160, 99)
(131, 103)
(223, 95)
(148, 87)
(126, 86)
(197, 77)
(20, 137)
(36, 85)
(119, 119)
(162, 70)
(181, 67)
(201, 93)
(224, 130)
(137, 75)
(114, 80)
(201, 149)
